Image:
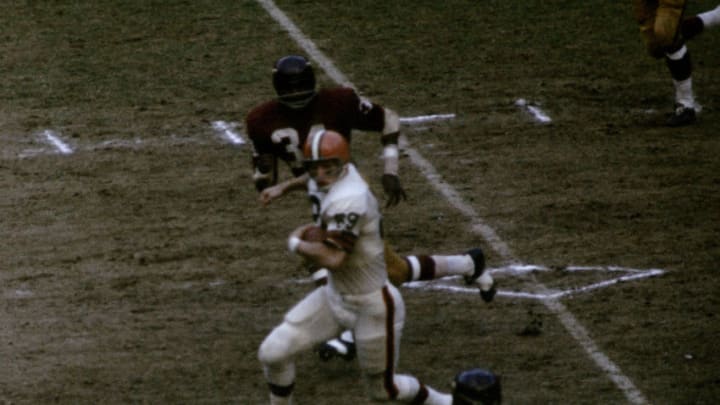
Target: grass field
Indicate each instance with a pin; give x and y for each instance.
(138, 267)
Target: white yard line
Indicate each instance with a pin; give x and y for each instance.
(538, 114)
(426, 118)
(228, 131)
(55, 141)
(632, 393)
(309, 46)
(630, 275)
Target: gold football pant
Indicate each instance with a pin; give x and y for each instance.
(398, 267)
(659, 22)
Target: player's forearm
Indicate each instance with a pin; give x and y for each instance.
(391, 159)
(321, 254)
(269, 194)
(390, 136)
(295, 183)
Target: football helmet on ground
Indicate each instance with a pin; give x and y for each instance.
(476, 387)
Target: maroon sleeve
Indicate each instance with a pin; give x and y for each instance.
(343, 110)
(258, 127)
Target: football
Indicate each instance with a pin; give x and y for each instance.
(313, 234)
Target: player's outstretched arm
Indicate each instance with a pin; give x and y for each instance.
(272, 193)
(391, 157)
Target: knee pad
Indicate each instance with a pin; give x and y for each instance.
(276, 348)
(276, 358)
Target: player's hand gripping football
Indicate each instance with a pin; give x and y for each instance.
(300, 231)
(393, 189)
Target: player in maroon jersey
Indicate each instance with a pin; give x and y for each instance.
(279, 127)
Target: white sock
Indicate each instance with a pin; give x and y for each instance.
(458, 265)
(683, 88)
(347, 336)
(710, 18)
(684, 93)
(414, 268)
(339, 346)
(409, 387)
(437, 398)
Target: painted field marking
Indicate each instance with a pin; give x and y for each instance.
(426, 118)
(136, 143)
(117, 144)
(538, 114)
(454, 283)
(228, 130)
(28, 153)
(61, 147)
(571, 324)
(55, 141)
(566, 318)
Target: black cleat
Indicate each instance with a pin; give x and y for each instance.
(478, 257)
(486, 282)
(682, 116)
(488, 295)
(336, 348)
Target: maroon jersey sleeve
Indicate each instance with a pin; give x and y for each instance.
(260, 122)
(342, 110)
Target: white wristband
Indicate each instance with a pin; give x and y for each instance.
(293, 243)
(319, 274)
(390, 155)
(391, 151)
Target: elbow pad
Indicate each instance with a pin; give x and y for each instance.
(392, 122)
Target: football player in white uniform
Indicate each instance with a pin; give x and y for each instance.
(358, 295)
(278, 128)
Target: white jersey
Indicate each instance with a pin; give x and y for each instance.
(350, 213)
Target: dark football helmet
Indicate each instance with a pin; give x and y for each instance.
(477, 387)
(294, 81)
